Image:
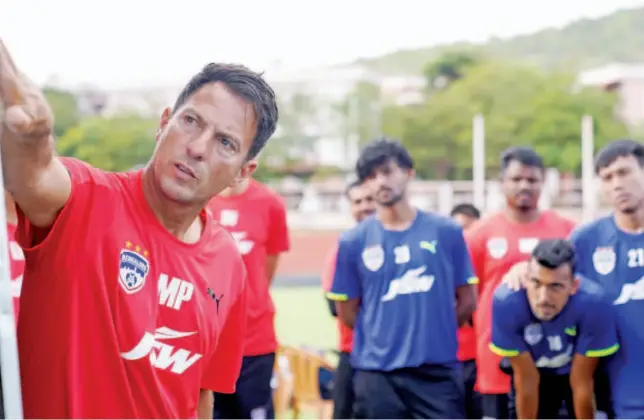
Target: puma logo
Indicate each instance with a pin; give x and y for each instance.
(212, 294)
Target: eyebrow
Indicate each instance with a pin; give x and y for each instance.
(218, 132)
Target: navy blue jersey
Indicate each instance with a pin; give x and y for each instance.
(406, 282)
(586, 325)
(615, 259)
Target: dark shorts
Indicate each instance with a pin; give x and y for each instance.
(495, 406)
(472, 398)
(555, 398)
(253, 398)
(426, 392)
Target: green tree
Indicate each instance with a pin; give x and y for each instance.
(521, 105)
(113, 144)
(64, 107)
(449, 67)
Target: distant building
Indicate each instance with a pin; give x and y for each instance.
(627, 80)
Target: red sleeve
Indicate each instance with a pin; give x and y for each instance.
(223, 369)
(278, 240)
(329, 270)
(85, 179)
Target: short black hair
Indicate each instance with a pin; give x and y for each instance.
(351, 185)
(553, 253)
(616, 149)
(466, 209)
(380, 151)
(245, 83)
(524, 155)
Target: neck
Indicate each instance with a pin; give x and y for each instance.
(182, 221)
(397, 217)
(522, 216)
(237, 189)
(631, 222)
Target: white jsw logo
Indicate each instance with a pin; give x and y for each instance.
(557, 361)
(163, 356)
(411, 282)
(631, 291)
(172, 294)
(244, 245)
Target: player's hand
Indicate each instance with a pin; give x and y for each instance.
(26, 113)
(516, 277)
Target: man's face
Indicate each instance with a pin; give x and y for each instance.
(622, 184)
(464, 220)
(202, 148)
(361, 200)
(388, 183)
(549, 290)
(522, 185)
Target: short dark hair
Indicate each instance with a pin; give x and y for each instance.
(351, 185)
(616, 149)
(466, 209)
(245, 83)
(380, 151)
(553, 253)
(524, 155)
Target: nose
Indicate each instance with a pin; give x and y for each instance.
(524, 184)
(542, 295)
(197, 147)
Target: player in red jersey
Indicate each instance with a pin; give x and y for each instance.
(133, 302)
(16, 256)
(496, 243)
(466, 215)
(362, 205)
(255, 215)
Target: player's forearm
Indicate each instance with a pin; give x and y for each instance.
(271, 267)
(348, 312)
(206, 404)
(583, 400)
(527, 397)
(465, 304)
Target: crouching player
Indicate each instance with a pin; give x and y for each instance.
(553, 332)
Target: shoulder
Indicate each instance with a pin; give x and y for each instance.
(590, 293)
(483, 228)
(359, 231)
(266, 194)
(591, 229)
(84, 173)
(508, 304)
(440, 222)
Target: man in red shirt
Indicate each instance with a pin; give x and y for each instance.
(255, 215)
(496, 243)
(466, 215)
(362, 205)
(133, 302)
(16, 256)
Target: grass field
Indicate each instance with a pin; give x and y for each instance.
(303, 317)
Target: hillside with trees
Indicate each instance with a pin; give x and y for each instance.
(581, 44)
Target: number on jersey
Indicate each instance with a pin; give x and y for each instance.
(636, 257)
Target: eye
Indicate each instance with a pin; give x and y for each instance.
(189, 119)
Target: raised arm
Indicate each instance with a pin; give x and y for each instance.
(36, 179)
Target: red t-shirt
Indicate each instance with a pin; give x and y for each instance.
(120, 319)
(496, 244)
(345, 334)
(257, 220)
(17, 267)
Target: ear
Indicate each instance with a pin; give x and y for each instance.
(575, 285)
(411, 173)
(244, 172)
(163, 122)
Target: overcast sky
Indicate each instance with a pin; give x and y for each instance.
(123, 43)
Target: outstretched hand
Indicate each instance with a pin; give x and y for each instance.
(26, 112)
(516, 277)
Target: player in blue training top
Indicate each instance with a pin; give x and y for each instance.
(404, 279)
(553, 331)
(611, 251)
